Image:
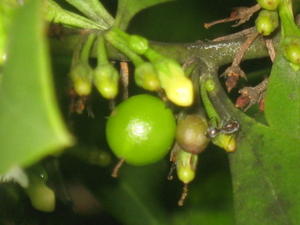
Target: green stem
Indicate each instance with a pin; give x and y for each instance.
(209, 108)
(56, 14)
(100, 10)
(118, 42)
(86, 49)
(101, 51)
(94, 10)
(289, 27)
(152, 55)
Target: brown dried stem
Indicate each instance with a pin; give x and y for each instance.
(125, 78)
(183, 195)
(115, 172)
(240, 14)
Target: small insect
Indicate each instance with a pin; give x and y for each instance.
(229, 127)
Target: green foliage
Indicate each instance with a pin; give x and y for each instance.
(264, 168)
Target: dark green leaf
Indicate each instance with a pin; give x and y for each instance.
(128, 8)
(31, 126)
(265, 173)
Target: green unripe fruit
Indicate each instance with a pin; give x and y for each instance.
(138, 44)
(186, 164)
(266, 22)
(269, 4)
(106, 79)
(146, 77)
(191, 133)
(141, 130)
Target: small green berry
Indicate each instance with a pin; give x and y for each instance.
(266, 22)
(141, 130)
(191, 133)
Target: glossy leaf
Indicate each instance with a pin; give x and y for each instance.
(31, 125)
(128, 8)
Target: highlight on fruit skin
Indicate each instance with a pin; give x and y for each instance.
(106, 80)
(141, 130)
(191, 133)
(266, 22)
(269, 4)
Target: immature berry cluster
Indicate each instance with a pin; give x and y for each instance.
(267, 22)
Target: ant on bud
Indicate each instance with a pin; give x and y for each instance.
(229, 127)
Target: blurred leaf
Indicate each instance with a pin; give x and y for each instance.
(133, 199)
(31, 126)
(128, 8)
(282, 104)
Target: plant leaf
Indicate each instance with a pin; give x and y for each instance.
(136, 195)
(31, 126)
(265, 176)
(265, 166)
(128, 8)
(282, 104)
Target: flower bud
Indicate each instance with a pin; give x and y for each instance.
(81, 76)
(269, 4)
(178, 88)
(146, 77)
(106, 79)
(186, 164)
(225, 141)
(266, 22)
(41, 197)
(138, 44)
(191, 133)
